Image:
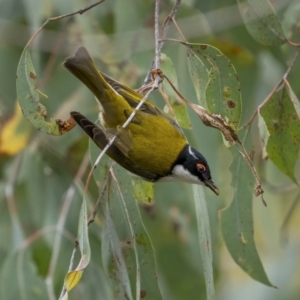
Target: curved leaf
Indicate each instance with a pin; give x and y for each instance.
(73, 277)
(28, 97)
(237, 219)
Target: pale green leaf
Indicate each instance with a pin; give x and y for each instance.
(28, 97)
(19, 278)
(143, 191)
(112, 252)
(124, 234)
(204, 240)
(179, 108)
(83, 237)
(281, 115)
(262, 22)
(222, 88)
(237, 218)
(291, 21)
(199, 75)
(264, 135)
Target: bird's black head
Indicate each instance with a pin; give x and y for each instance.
(191, 166)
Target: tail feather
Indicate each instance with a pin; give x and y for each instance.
(82, 66)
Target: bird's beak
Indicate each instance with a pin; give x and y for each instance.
(209, 183)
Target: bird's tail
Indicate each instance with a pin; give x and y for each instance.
(82, 66)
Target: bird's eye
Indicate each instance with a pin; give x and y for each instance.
(201, 168)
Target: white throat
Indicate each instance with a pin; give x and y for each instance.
(179, 173)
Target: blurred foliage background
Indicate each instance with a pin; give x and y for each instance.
(39, 199)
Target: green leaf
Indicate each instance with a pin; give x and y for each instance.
(111, 250)
(262, 22)
(179, 108)
(204, 239)
(83, 237)
(73, 278)
(143, 191)
(237, 219)
(19, 278)
(125, 228)
(291, 21)
(199, 75)
(222, 88)
(182, 115)
(264, 135)
(28, 97)
(281, 114)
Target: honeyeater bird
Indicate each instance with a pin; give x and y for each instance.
(152, 146)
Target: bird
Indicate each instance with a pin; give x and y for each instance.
(152, 146)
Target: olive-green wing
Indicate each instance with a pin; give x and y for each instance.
(119, 150)
(133, 98)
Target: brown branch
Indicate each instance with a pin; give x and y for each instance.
(81, 11)
(276, 87)
(159, 41)
(104, 189)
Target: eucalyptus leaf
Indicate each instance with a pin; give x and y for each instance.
(281, 114)
(111, 250)
(83, 237)
(28, 97)
(179, 108)
(143, 191)
(204, 239)
(262, 22)
(129, 232)
(19, 278)
(237, 218)
(213, 72)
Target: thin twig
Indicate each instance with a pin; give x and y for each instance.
(81, 11)
(100, 198)
(178, 29)
(164, 32)
(156, 30)
(258, 190)
(57, 45)
(285, 75)
(167, 100)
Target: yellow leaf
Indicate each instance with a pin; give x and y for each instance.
(14, 133)
(72, 279)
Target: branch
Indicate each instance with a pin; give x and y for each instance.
(159, 40)
(80, 12)
(282, 80)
